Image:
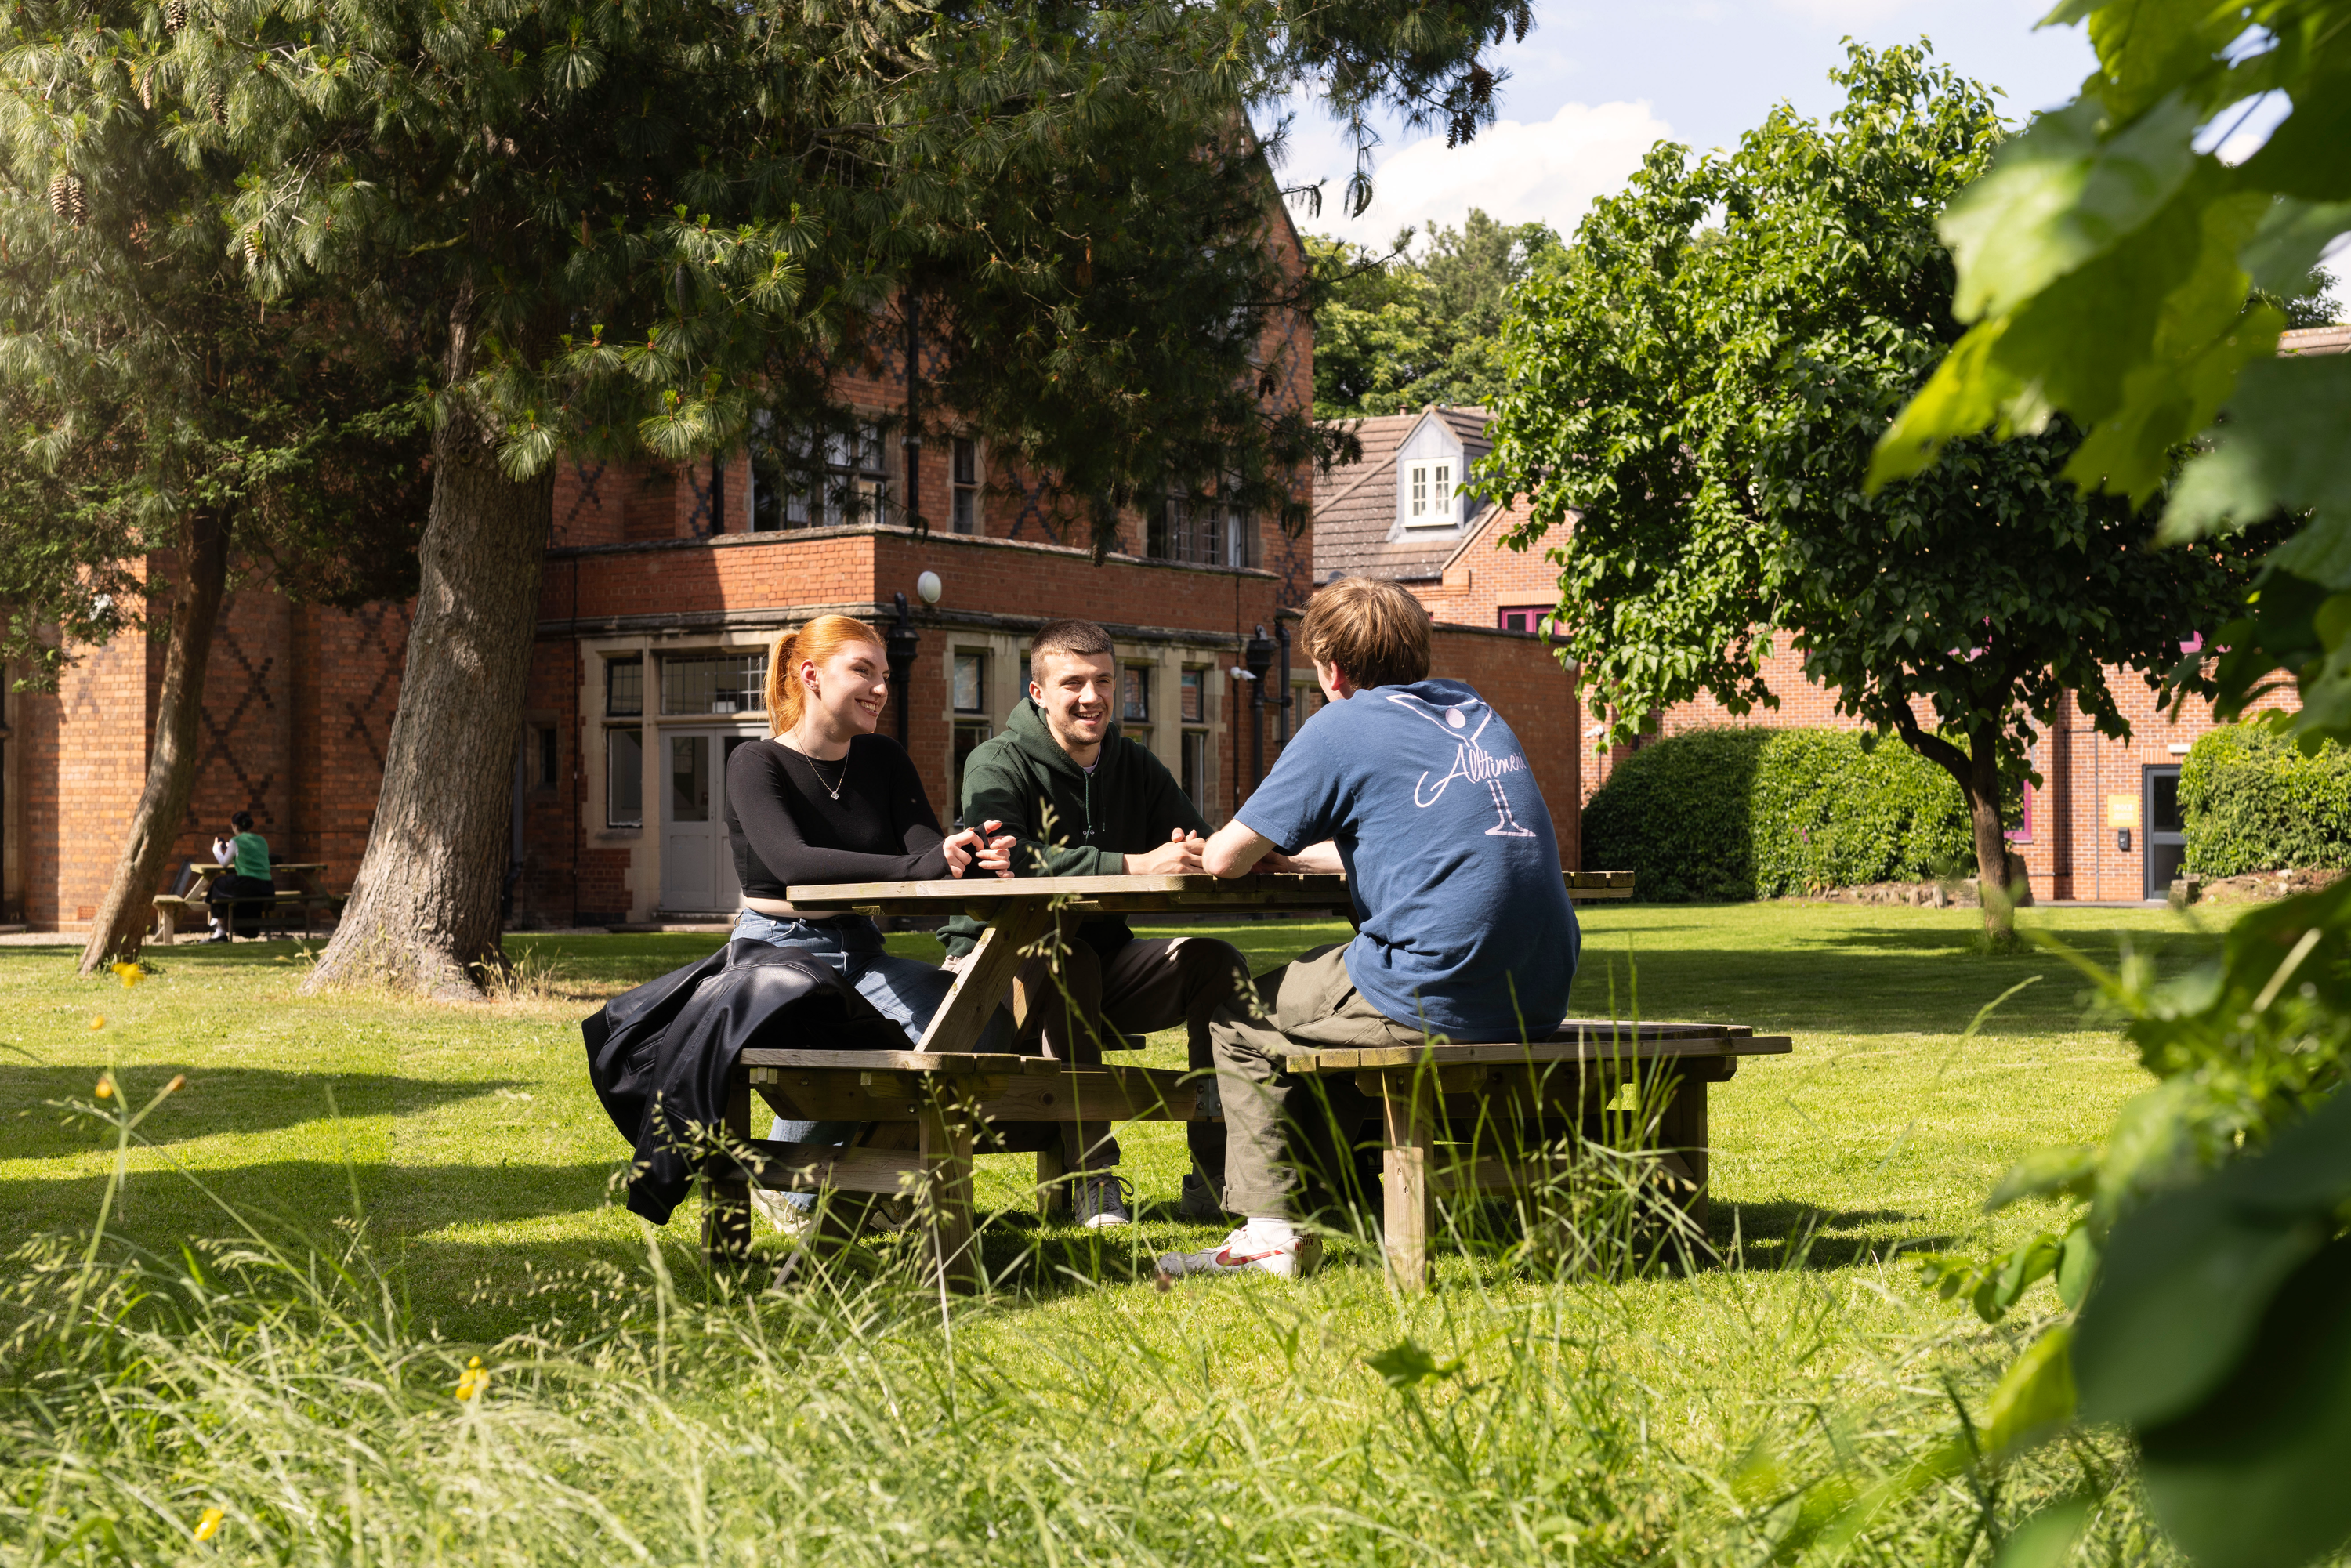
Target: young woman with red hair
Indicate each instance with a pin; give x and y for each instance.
(825, 799)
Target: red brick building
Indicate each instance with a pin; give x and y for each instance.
(663, 590)
(2103, 824)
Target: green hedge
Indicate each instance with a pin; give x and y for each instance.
(2254, 802)
(1718, 815)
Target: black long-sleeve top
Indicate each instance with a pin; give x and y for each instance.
(787, 828)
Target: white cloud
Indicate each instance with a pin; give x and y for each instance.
(1516, 172)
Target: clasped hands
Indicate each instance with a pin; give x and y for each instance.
(1180, 856)
(981, 846)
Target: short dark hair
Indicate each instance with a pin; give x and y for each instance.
(1376, 633)
(241, 822)
(1082, 638)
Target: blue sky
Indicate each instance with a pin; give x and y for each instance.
(1594, 86)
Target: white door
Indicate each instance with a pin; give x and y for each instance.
(698, 859)
(690, 822)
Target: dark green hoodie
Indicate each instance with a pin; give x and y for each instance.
(1129, 804)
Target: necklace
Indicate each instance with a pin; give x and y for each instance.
(832, 788)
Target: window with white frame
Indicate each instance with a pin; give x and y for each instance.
(811, 478)
(1431, 502)
(1205, 532)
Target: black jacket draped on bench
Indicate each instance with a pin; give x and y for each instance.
(660, 1055)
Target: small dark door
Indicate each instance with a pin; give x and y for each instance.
(2163, 828)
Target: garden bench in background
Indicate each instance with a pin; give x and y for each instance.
(310, 897)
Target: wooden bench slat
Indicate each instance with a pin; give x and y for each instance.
(1542, 1053)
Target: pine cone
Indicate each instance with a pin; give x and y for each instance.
(65, 199)
(218, 100)
(175, 17)
(147, 87)
(253, 247)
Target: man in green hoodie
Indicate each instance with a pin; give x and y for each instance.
(1084, 800)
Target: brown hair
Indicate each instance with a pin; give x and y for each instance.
(817, 641)
(1374, 631)
(1082, 638)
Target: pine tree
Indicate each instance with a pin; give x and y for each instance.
(152, 404)
(625, 225)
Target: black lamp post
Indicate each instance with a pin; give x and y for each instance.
(1259, 657)
(1282, 704)
(903, 644)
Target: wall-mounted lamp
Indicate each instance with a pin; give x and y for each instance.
(928, 587)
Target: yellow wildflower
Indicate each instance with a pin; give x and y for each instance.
(104, 1088)
(473, 1379)
(209, 1526)
(129, 974)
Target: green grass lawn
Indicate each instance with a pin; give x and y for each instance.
(466, 1142)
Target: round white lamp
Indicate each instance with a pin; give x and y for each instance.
(929, 587)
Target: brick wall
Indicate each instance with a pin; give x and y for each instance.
(1485, 578)
(85, 762)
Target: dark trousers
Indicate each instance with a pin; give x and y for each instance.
(1076, 1004)
(255, 892)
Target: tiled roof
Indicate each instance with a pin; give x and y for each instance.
(2316, 341)
(1356, 509)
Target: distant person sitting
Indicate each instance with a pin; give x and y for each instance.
(246, 855)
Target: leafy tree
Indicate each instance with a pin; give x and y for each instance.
(2115, 275)
(1398, 332)
(1702, 407)
(152, 406)
(619, 228)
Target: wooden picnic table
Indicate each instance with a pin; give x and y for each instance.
(309, 893)
(926, 1110)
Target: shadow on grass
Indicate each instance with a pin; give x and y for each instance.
(216, 1100)
(1778, 1232)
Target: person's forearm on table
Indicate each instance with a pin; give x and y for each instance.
(1234, 850)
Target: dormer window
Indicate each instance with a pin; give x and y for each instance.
(1429, 465)
(1431, 506)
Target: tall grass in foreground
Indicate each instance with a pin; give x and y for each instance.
(249, 1402)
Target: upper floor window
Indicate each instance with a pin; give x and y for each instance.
(1206, 532)
(808, 478)
(964, 473)
(1431, 494)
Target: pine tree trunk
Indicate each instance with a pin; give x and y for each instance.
(424, 911)
(125, 912)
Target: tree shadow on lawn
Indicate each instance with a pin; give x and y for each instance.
(216, 1099)
(1782, 1233)
(302, 1204)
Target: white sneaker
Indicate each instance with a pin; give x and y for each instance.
(781, 1214)
(1265, 1245)
(1101, 1201)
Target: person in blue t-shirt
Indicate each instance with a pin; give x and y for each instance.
(1417, 789)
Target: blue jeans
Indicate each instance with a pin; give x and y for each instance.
(906, 991)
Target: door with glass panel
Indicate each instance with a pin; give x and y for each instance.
(697, 856)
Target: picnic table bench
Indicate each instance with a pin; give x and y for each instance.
(924, 1114)
(310, 897)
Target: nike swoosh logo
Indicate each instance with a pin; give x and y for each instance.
(1226, 1260)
